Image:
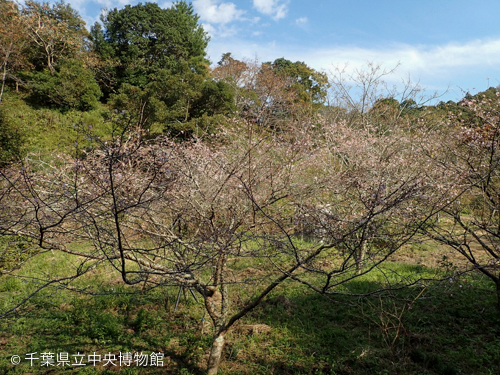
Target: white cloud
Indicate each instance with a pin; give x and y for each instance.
(275, 8)
(255, 20)
(435, 60)
(212, 31)
(301, 21)
(110, 4)
(435, 67)
(166, 4)
(213, 11)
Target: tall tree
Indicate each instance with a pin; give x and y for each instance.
(155, 61)
(240, 76)
(145, 38)
(56, 32)
(59, 57)
(309, 85)
(13, 40)
(272, 94)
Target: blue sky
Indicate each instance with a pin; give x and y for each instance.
(445, 45)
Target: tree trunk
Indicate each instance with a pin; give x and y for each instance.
(498, 295)
(216, 353)
(360, 256)
(4, 77)
(8, 51)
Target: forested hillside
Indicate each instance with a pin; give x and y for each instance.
(133, 170)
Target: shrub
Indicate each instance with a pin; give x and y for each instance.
(71, 87)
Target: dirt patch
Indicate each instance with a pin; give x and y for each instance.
(245, 274)
(3, 341)
(252, 329)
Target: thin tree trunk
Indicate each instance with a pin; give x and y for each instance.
(217, 307)
(50, 64)
(3, 82)
(222, 326)
(8, 52)
(4, 78)
(216, 353)
(360, 257)
(498, 295)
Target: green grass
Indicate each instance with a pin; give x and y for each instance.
(444, 328)
(46, 131)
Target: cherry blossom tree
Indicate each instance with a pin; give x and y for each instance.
(469, 157)
(194, 214)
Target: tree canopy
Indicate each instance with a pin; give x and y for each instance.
(145, 38)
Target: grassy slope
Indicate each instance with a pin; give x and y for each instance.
(450, 328)
(45, 131)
